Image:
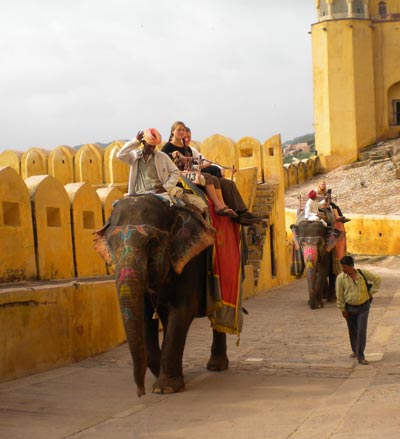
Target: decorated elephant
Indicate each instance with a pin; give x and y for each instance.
(158, 253)
(317, 246)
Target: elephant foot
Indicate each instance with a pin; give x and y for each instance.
(315, 305)
(218, 364)
(167, 386)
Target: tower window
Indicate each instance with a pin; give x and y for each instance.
(323, 8)
(382, 10)
(358, 7)
(340, 7)
(396, 107)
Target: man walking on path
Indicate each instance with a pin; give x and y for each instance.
(354, 291)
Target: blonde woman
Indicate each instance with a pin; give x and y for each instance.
(322, 193)
(181, 154)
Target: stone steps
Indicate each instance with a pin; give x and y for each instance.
(263, 204)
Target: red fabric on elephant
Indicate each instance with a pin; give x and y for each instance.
(227, 276)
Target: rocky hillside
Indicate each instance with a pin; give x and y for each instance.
(369, 186)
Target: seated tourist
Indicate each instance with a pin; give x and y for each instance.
(181, 154)
(311, 209)
(229, 190)
(322, 193)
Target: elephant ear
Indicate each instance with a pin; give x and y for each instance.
(190, 234)
(103, 248)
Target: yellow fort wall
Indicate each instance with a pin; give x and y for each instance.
(52, 227)
(34, 162)
(249, 152)
(275, 234)
(61, 164)
(12, 159)
(220, 149)
(47, 326)
(86, 218)
(17, 246)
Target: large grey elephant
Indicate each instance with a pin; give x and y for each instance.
(158, 253)
(317, 244)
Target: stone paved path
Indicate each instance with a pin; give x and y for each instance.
(290, 377)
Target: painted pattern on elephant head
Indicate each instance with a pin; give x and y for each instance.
(125, 253)
(311, 246)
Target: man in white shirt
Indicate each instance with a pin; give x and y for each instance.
(311, 209)
(151, 171)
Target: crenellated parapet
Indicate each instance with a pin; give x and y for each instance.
(51, 202)
(46, 228)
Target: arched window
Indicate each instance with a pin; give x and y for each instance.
(339, 7)
(323, 8)
(382, 10)
(358, 7)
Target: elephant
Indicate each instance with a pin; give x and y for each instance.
(317, 244)
(159, 256)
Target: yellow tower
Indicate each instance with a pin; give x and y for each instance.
(356, 74)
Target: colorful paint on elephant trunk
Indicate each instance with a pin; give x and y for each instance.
(131, 280)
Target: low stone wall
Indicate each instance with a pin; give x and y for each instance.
(47, 326)
(365, 234)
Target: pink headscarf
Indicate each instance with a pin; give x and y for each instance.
(312, 194)
(152, 137)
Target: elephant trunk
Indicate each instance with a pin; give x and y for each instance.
(310, 253)
(131, 287)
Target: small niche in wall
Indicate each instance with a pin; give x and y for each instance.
(246, 152)
(53, 217)
(88, 219)
(380, 235)
(271, 152)
(11, 215)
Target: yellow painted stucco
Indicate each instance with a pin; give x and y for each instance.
(275, 240)
(61, 164)
(356, 77)
(249, 154)
(246, 182)
(116, 172)
(34, 162)
(17, 246)
(89, 164)
(52, 225)
(87, 217)
(12, 159)
(49, 326)
(220, 149)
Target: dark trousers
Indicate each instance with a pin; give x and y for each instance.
(357, 323)
(232, 196)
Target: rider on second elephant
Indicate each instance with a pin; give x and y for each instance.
(314, 250)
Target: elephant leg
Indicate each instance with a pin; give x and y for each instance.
(170, 378)
(331, 289)
(218, 360)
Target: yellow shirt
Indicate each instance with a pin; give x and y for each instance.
(355, 292)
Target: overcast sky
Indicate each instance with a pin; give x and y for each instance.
(85, 71)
